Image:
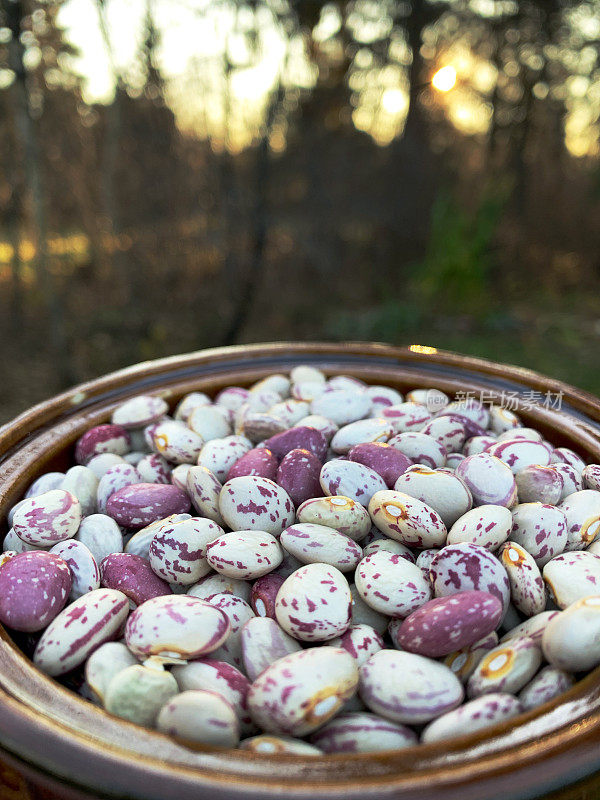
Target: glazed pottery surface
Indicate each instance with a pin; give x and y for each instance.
(56, 745)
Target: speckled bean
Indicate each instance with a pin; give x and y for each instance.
(571, 576)
(189, 403)
(363, 733)
(527, 590)
(434, 399)
(220, 584)
(569, 456)
(477, 444)
(533, 627)
(102, 439)
(539, 484)
(133, 576)
(489, 480)
(34, 588)
(138, 505)
(463, 566)
(478, 714)
(200, 716)
(16, 544)
(85, 571)
(204, 490)
(264, 643)
(82, 483)
(440, 489)
(239, 613)
(445, 624)
(392, 546)
(298, 474)
(519, 454)
(314, 603)
(420, 448)
(408, 688)
(547, 684)
(311, 543)
(344, 514)
(406, 519)
(582, 510)
(264, 593)
(153, 468)
(502, 419)
(541, 529)
(506, 668)
(320, 423)
(571, 639)
(45, 483)
(387, 461)
(254, 503)
(177, 551)
(115, 478)
(208, 674)
(361, 641)
(48, 518)
(302, 691)
(373, 429)
(177, 626)
(139, 543)
(176, 442)
(572, 479)
(406, 416)
(139, 411)
(104, 461)
(244, 554)
(450, 432)
(391, 585)
(342, 406)
(219, 455)
(101, 535)
(488, 526)
(382, 397)
(258, 461)
(77, 631)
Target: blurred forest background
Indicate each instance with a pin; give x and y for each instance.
(178, 174)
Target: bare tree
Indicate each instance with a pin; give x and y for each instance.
(14, 13)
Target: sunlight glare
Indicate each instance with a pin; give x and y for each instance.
(444, 79)
(394, 101)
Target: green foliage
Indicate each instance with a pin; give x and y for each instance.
(457, 268)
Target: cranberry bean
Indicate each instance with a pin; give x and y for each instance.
(314, 603)
(139, 505)
(95, 618)
(102, 439)
(387, 461)
(300, 692)
(448, 623)
(176, 626)
(408, 688)
(34, 588)
(133, 576)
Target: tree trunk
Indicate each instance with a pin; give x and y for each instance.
(14, 13)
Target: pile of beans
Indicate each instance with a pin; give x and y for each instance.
(312, 565)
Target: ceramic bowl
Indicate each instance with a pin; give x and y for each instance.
(56, 745)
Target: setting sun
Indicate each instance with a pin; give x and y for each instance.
(444, 79)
